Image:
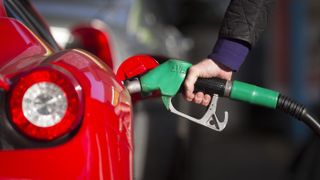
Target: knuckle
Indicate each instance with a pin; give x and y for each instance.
(189, 96)
(187, 84)
(205, 103)
(198, 99)
(188, 99)
(200, 95)
(193, 70)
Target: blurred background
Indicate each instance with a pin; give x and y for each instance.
(257, 143)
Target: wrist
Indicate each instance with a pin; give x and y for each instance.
(221, 70)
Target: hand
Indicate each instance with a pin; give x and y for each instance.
(207, 68)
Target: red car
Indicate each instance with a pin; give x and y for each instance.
(64, 115)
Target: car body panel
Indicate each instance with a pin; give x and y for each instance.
(94, 38)
(102, 147)
(19, 43)
(2, 10)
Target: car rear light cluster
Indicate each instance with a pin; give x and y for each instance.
(45, 104)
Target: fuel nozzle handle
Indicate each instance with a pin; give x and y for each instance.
(256, 95)
(237, 90)
(214, 85)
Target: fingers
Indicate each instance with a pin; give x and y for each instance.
(198, 98)
(191, 78)
(206, 100)
(203, 99)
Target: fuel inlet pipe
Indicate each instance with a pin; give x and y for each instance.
(169, 77)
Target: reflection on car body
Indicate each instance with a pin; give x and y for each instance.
(54, 124)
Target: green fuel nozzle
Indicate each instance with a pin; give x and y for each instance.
(169, 77)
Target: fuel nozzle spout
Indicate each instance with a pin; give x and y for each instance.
(133, 86)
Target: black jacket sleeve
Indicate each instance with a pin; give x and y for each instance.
(246, 19)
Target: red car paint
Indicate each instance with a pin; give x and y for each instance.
(102, 148)
(19, 46)
(18, 43)
(135, 66)
(2, 10)
(94, 38)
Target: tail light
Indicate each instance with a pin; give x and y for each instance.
(45, 104)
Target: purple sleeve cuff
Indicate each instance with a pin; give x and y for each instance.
(230, 53)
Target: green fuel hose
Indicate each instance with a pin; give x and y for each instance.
(256, 95)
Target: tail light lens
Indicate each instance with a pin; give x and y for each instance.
(45, 104)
